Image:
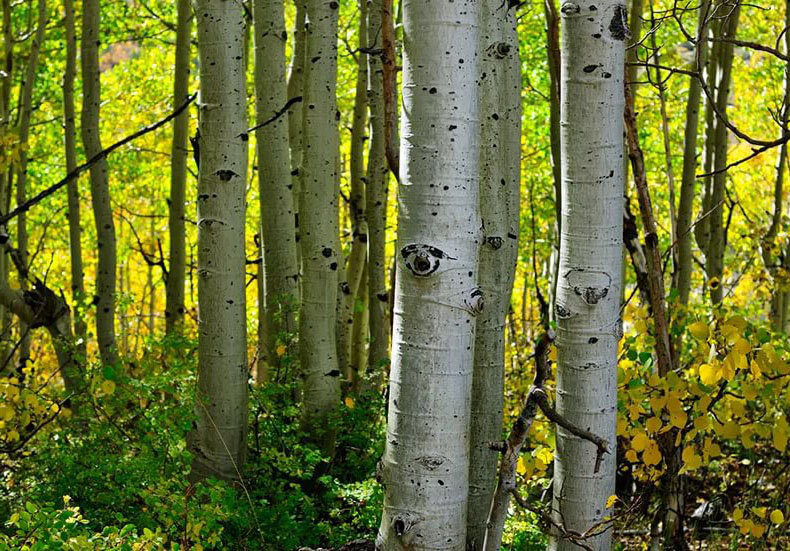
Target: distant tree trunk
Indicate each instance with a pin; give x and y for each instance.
(5, 175)
(425, 467)
(682, 274)
(588, 294)
(70, 136)
(319, 239)
(355, 263)
(359, 333)
(174, 302)
(499, 162)
(218, 442)
(376, 197)
(780, 301)
(104, 299)
(714, 258)
(296, 89)
(278, 240)
(21, 180)
(554, 64)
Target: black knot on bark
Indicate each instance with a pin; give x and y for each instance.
(422, 260)
(618, 26)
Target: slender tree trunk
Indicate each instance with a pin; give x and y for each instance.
(281, 271)
(174, 301)
(425, 468)
(355, 263)
(359, 334)
(553, 54)
(21, 180)
(218, 441)
(376, 198)
(5, 176)
(70, 137)
(296, 89)
(682, 273)
(500, 153)
(319, 239)
(714, 259)
(104, 299)
(588, 295)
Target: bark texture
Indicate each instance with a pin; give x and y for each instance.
(218, 441)
(281, 271)
(174, 301)
(104, 299)
(425, 467)
(589, 288)
(500, 133)
(318, 223)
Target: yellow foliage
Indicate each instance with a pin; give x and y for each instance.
(699, 330)
(777, 517)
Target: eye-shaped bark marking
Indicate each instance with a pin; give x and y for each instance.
(618, 26)
(225, 175)
(495, 242)
(592, 286)
(422, 260)
(475, 302)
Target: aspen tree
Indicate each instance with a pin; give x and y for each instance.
(70, 142)
(318, 221)
(218, 440)
(500, 133)
(21, 179)
(278, 240)
(296, 89)
(588, 293)
(104, 298)
(425, 467)
(174, 301)
(376, 202)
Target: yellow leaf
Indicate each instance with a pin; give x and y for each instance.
(749, 392)
(651, 455)
(699, 330)
(640, 441)
(6, 413)
(691, 460)
(349, 401)
(780, 434)
(701, 423)
(777, 517)
(521, 466)
(742, 346)
(759, 511)
(730, 430)
(709, 375)
(678, 418)
(610, 501)
(653, 424)
(640, 327)
(553, 354)
(108, 387)
(280, 351)
(737, 514)
(631, 456)
(758, 530)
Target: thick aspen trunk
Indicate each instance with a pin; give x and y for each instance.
(104, 298)
(218, 440)
(281, 271)
(425, 468)
(500, 132)
(21, 179)
(376, 200)
(588, 294)
(174, 301)
(318, 222)
(714, 258)
(70, 139)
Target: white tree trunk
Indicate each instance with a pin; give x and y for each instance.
(500, 116)
(104, 299)
(590, 277)
(218, 441)
(318, 223)
(295, 89)
(425, 468)
(281, 272)
(174, 301)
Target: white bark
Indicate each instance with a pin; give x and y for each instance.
(174, 301)
(218, 442)
(588, 294)
(281, 272)
(295, 89)
(318, 223)
(500, 115)
(425, 468)
(104, 299)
